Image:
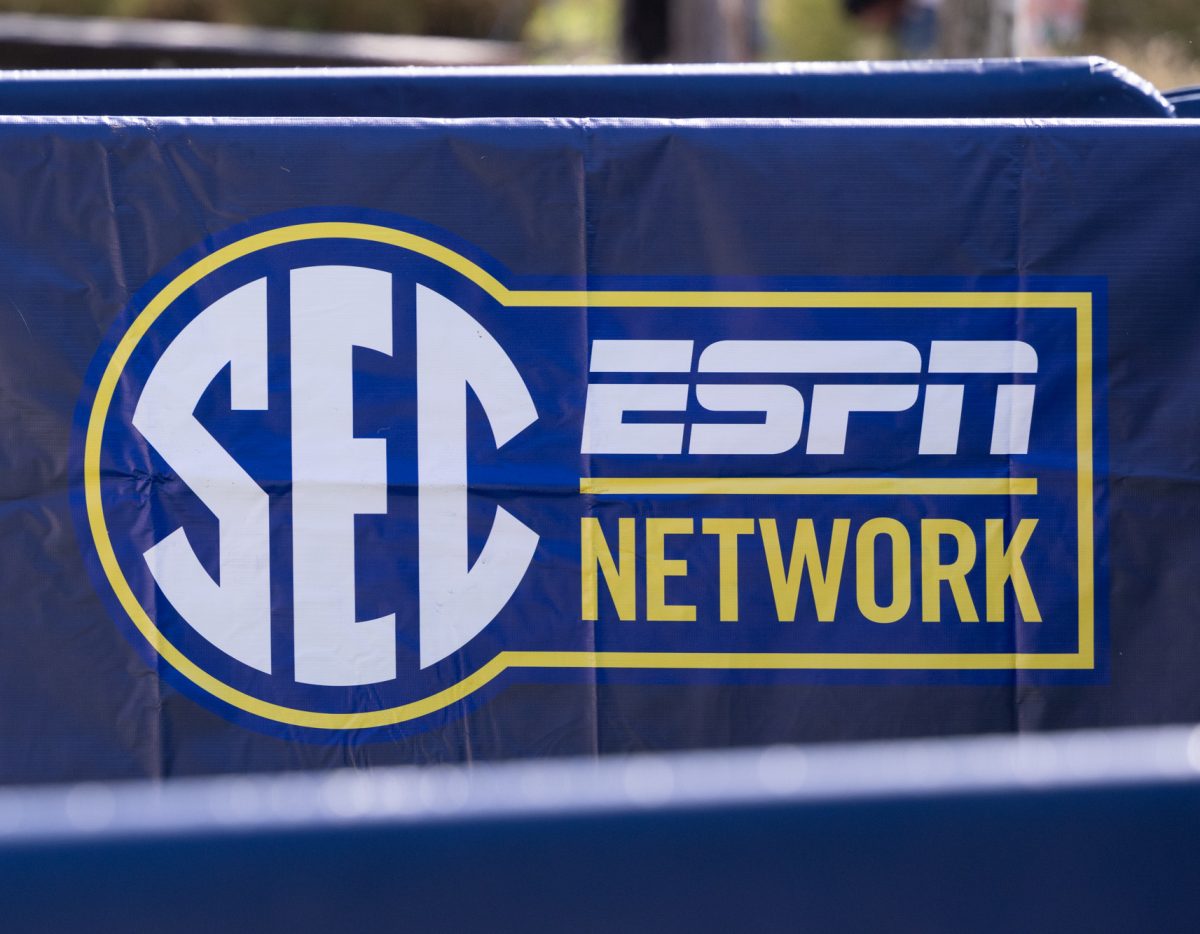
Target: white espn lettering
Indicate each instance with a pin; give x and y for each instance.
(606, 431)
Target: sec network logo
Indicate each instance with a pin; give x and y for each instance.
(321, 455)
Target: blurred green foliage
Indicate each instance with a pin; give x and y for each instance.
(574, 32)
(808, 30)
(1130, 20)
(1158, 39)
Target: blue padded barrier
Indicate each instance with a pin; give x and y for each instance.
(1081, 832)
(1084, 87)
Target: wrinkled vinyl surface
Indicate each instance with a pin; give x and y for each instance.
(97, 215)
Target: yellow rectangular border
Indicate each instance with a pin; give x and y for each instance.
(1084, 658)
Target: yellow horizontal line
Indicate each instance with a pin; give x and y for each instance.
(779, 299)
(810, 486)
(991, 661)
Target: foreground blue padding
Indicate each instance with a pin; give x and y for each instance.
(1079, 832)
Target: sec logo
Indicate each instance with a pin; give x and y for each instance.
(259, 423)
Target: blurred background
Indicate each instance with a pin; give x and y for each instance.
(1159, 39)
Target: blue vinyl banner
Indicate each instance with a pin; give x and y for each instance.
(340, 441)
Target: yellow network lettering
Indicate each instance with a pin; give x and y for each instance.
(659, 567)
(806, 575)
(1003, 565)
(824, 578)
(934, 573)
(728, 531)
(619, 574)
